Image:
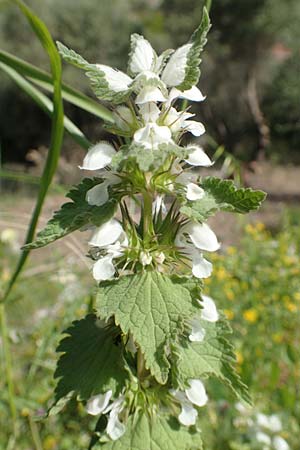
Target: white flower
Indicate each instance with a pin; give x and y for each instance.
(194, 94)
(98, 156)
(98, 195)
(152, 135)
(150, 94)
(107, 234)
(149, 112)
(160, 258)
(176, 120)
(280, 444)
(195, 395)
(263, 438)
(198, 332)
(198, 157)
(194, 127)
(174, 72)
(159, 205)
(123, 118)
(194, 192)
(98, 403)
(145, 258)
(271, 423)
(117, 81)
(201, 236)
(209, 311)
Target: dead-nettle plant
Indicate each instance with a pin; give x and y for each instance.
(140, 362)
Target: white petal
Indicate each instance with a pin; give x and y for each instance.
(158, 205)
(97, 404)
(188, 415)
(198, 157)
(174, 72)
(198, 332)
(143, 55)
(196, 393)
(115, 429)
(209, 311)
(98, 195)
(123, 118)
(117, 81)
(201, 267)
(263, 438)
(280, 444)
(194, 192)
(194, 94)
(145, 258)
(152, 135)
(194, 127)
(107, 234)
(104, 269)
(202, 236)
(98, 156)
(149, 112)
(150, 94)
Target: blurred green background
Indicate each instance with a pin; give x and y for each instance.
(251, 77)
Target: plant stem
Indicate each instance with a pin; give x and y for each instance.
(35, 433)
(148, 223)
(140, 364)
(8, 368)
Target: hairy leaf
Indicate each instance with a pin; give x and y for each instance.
(214, 355)
(201, 209)
(231, 198)
(160, 433)
(91, 362)
(153, 308)
(74, 215)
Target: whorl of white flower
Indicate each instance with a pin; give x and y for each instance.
(145, 258)
(98, 403)
(280, 444)
(209, 311)
(195, 395)
(198, 157)
(174, 72)
(98, 156)
(271, 423)
(123, 118)
(194, 94)
(152, 135)
(150, 94)
(107, 234)
(202, 236)
(149, 112)
(117, 81)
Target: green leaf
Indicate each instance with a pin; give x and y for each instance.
(151, 306)
(100, 82)
(74, 215)
(91, 362)
(198, 41)
(159, 433)
(231, 198)
(213, 356)
(44, 80)
(201, 209)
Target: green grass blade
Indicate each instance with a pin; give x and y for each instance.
(57, 131)
(44, 80)
(45, 104)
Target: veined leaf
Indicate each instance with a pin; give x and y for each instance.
(231, 198)
(160, 433)
(74, 215)
(44, 80)
(107, 83)
(201, 209)
(153, 308)
(213, 356)
(91, 362)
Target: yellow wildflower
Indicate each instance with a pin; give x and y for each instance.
(229, 294)
(251, 315)
(49, 443)
(291, 306)
(260, 226)
(239, 357)
(231, 250)
(277, 337)
(297, 296)
(229, 314)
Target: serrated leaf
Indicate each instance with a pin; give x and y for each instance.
(160, 433)
(213, 356)
(152, 307)
(91, 362)
(74, 215)
(107, 83)
(231, 198)
(201, 209)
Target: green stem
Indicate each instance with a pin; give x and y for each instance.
(147, 219)
(8, 368)
(140, 365)
(35, 434)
